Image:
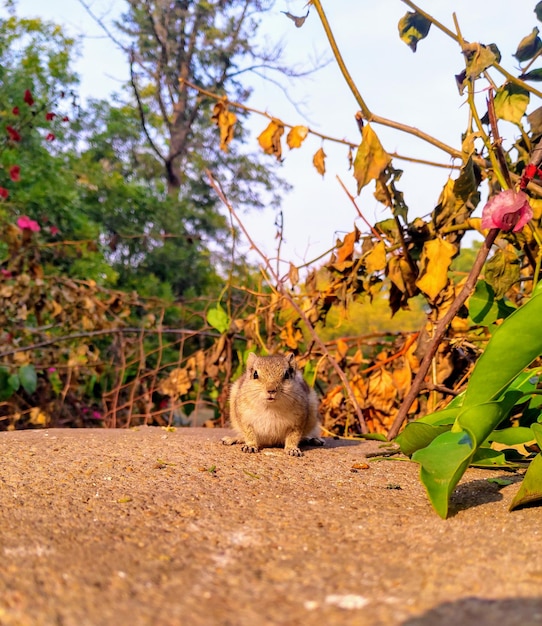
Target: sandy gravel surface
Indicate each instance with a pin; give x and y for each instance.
(148, 527)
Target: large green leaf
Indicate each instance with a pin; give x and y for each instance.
(443, 463)
(512, 436)
(421, 433)
(531, 486)
(483, 308)
(513, 347)
(418, 435)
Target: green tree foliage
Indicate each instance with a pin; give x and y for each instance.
(144, 171)
(38, 101)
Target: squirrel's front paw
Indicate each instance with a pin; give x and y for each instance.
(229, 441)
(294, 452)
(250, 449)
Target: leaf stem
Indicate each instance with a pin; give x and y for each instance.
(340, 62)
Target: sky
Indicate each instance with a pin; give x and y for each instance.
(417, 89)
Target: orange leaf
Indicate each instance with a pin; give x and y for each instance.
(318, 160)
(269, 139)
(225, 120)
(296, 136)
(346, 251)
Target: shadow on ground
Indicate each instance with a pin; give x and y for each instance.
(482, 611)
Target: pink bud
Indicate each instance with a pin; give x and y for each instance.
(508, 210)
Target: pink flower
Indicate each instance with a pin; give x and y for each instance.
(13, 133)
(4, 193)
(28, 97)
(50, 137)
(15, 110)
(15, 173)
(50, 116)
(6, 273)
(508, 210)
(54, 230)
(25, 223)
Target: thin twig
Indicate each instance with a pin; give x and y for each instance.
(107, 331)
(375, 118)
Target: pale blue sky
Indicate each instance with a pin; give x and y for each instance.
(416, 89)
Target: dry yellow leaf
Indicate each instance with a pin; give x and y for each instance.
(375, 259)
(293, 274)
(176, 384)
(269, 139)
(296, 136)
(225, 120)
(371, 158)
(342, 349)
(319, 162)
(56, 308)
(38, 417)
(436, 258)
(291, 335)
(400, 274)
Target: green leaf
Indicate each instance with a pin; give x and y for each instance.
(412, 28)
(446, 458)
(531, 487)
(218, 318)
(502, 482)
(535, 75)
(486, 457)
(6, 389)
(511, 102)
(512, 436)
(443, 463)
(502, 271)
(482, 306)
(479, 420)
(28, 378)
(513, 347)
(418, 435)
(537, 430)
(529, 46)
(14, 382)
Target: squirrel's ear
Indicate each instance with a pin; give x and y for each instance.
(290, 357)
(250, 359)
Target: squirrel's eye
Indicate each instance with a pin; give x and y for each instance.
(255, 375)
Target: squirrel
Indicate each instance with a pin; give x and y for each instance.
(271, 404)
